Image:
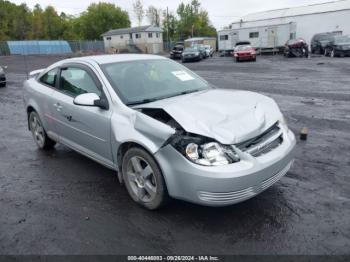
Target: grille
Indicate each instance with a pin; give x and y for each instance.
(264, 143)
(247, 193)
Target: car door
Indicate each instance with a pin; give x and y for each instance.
(45, 89)
(83, 128)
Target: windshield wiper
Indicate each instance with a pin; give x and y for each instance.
(150, 100)
(144, 101)
(184, 93)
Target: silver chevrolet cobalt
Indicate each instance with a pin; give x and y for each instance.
(165, 130)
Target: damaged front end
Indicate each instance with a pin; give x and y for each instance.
(196, 148)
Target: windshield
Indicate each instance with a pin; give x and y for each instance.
(327, 37)
(243, 47)
(191, 49)
(144, 81)
(342, 39)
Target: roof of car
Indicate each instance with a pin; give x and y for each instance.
(107, 59)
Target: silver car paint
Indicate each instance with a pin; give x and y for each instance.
(228, 116)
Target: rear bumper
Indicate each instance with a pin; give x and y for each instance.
(224, 185)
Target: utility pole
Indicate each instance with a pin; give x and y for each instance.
(192, 30)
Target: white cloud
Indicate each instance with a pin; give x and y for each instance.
(221, 12)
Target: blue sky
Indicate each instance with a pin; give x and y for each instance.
(221, 12)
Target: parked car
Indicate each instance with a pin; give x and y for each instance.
(2, 77)
(162, 128)
(176, 52)
(209, 50)
(338, 46)
(320, 41)
(202, 50)
(296, 48)
(244, 52)
(192, 54)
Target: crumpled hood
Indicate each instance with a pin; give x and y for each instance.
(227, 116)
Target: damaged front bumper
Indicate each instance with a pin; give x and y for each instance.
(225, 185)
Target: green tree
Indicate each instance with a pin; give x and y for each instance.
(100, 18)
(53, 26)
(193, 21)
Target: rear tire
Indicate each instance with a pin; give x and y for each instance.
(39, 134)
(237, 60)
(3, 85)
(143, 179)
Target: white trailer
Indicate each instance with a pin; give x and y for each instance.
(261, 37)
(271, 29)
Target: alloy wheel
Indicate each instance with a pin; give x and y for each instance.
(141, 179)
(37, 131)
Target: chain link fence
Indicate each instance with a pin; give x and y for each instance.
(51, 47)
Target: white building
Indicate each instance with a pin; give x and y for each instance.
(272, 29)
(148, 39)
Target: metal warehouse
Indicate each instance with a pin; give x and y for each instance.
(271, 29)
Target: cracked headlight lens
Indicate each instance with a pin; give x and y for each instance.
(204, 151)
(211, 154)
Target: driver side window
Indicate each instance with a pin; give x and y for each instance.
(76, 81)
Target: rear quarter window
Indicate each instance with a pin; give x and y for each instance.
(49, 78)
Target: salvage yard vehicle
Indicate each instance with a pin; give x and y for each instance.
(192, 54)
(2, 77)
(244, 53)
(209, 50)
(165, 130)
(177, 50)
(296, 48)
(320, 41)
(338, 46)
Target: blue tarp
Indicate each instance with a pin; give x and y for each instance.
(39, 47)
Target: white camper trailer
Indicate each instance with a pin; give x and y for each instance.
(264, 37)
(272, 29)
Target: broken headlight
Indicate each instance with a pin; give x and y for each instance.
(203, 152)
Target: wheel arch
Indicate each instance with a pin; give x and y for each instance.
(29, 110)
(123, 148)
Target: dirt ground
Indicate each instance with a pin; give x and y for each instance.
(60, 202)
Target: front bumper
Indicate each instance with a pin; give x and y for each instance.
(176, 55)
(225, 185)
(246, 57)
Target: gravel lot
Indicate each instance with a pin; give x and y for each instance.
(60, 202)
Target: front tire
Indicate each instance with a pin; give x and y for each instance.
(39, 134)
(3, 85)
(143, 179)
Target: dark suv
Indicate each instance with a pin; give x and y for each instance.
(338, 46)
(320, 41)
(177, 50)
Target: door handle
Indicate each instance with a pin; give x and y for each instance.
(58, 107)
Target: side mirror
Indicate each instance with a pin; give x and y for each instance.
(90, 99)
